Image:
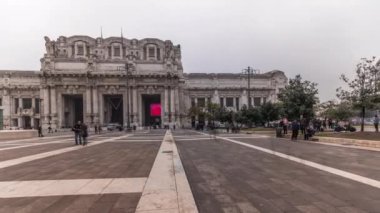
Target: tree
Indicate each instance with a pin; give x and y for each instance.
(224, 115)
(194, 111)
(248, 116)
(211, 113)
(362, 90)
(341, 112)
(269, 112)
(298, 98)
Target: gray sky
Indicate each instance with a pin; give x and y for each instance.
(318, 39)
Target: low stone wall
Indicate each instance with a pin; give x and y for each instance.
(347, 141)
(17, 134)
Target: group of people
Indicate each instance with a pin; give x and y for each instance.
(98, 129)
(306, 128)
(81, 133)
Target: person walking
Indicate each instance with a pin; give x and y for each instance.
(96, 129)
(40, 131)
(376, 123)
(285, 127)
(50, 130)
(295, 129)
(77, 132)
(84, 133)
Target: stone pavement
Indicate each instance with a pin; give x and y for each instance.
(185, 171)
(51, 174)
(231, 177)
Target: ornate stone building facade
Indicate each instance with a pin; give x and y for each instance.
(119, 80)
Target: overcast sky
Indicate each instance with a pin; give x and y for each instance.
(318, 39)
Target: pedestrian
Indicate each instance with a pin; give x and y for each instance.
(84, 133)
(303, 127)
(40, 131)
(376, 123)
(77, 132)
(96, 129)
(295, 129)
(285, 127)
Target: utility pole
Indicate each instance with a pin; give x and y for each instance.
(250, 71)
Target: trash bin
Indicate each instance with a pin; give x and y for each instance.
(279, 132)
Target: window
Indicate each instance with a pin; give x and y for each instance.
(109, 51)
(16, 105)
(237, 103)
(257, 101)
(264, 100)
(158, 54)
(37, 101)
(221, 102)
(151, 52)
(201, 102)
(80, 49)
(116, 51)
(229, 102)
(192, 102)
(26, 103)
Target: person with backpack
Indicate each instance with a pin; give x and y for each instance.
(77, 133)
(84, 132)
(40, 131)
(295, 129)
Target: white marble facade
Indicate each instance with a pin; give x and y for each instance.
(87, 75)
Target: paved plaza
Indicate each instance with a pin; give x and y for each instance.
(186, 171)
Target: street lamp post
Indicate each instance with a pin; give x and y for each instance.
(250, 71)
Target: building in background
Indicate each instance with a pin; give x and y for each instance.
(118, 80)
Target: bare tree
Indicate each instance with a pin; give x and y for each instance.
(362, 90)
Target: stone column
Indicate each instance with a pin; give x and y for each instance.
(172, 104)
(95, 104)
(176, 107)
(19, 104)
(166, 104)
(19, 113)
(88, 104)
(125, 102)
(33, 110)
(244, 98)
(134, 103)
(7, 109)
(196, 105)
(33, 103)
(140, 113)
(131, 117)
(88, 101)
(46, 103)
(53, 101)
(215, 97)
(101, 109)
(61, 110)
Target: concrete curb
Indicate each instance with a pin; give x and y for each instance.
(347, 141)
